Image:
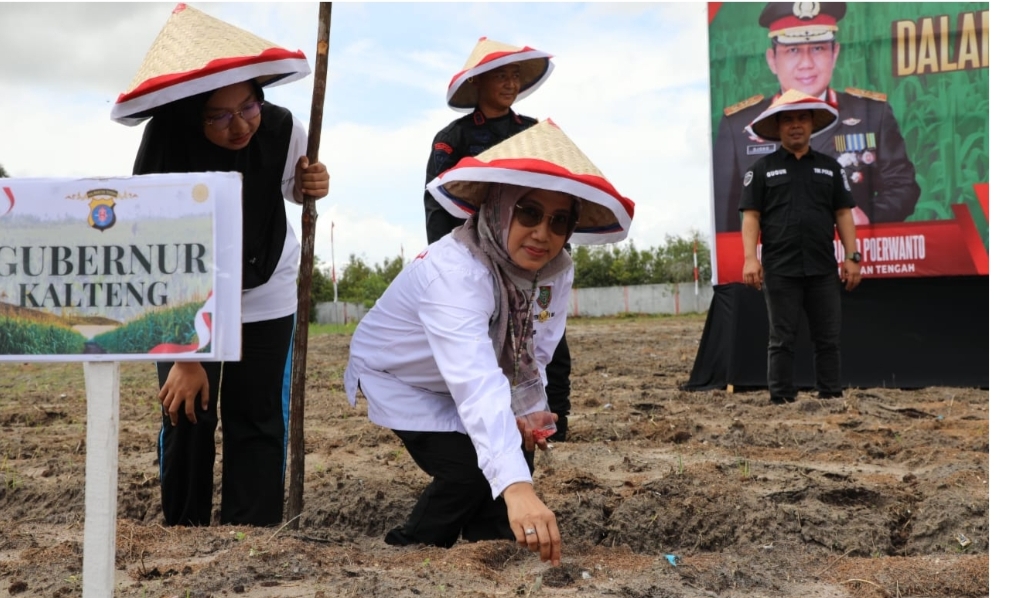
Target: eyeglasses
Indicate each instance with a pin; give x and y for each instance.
(222, 121)
(531, 216)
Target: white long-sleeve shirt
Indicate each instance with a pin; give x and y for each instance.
(425, 361)
(278, 297)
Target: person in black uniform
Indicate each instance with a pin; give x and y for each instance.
(494, 77)
(798, 199)
(865, 139)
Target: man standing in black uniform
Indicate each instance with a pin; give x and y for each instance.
(798, 198)
(494, 77)
(865, 139)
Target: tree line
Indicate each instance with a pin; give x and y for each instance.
(620, 264)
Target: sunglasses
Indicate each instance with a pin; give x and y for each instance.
(531, 216)
(222, 121)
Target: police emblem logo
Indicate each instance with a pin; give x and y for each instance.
(101, 212)
(748, 179)
(544, 297)
(806, 10)
(543, 316)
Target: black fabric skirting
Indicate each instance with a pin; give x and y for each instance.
(897, 333)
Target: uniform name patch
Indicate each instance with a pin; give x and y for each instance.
(753, 150)
(824, 171)
(777, 172)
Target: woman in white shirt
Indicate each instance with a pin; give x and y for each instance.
(215, 118)
(477, 313)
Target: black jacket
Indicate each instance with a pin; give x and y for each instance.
(465, 137)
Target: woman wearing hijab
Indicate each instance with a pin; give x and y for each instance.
(220, 121)
(478, 314)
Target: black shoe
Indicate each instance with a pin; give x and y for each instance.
(782, 400)
(396, 537)
(561, 430)
(830, 395)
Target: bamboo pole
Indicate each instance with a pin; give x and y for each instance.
(306, 265)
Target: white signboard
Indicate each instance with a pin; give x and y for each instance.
(137, 268)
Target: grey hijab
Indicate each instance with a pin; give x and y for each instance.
(485, 234)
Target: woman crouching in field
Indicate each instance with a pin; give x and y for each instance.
(446, 353)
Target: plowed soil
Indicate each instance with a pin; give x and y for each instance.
(659, 492)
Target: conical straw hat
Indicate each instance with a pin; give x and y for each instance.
(540, 157)
(765, 125)
(195, 53)
(535, 66)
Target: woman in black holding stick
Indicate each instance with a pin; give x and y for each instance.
(217, 119)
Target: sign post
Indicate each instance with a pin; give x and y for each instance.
(143, 268)
(101, 382)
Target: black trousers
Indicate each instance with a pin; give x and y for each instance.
(254, 397)
(558, 387)
(819, 298)
(458, 502)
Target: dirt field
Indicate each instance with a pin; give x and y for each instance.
(883, 493)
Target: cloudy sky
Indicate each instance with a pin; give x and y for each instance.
(629, 87)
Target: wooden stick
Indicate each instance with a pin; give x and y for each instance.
(306, 265)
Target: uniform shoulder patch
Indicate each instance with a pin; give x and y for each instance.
(752, 101)
(864, 93)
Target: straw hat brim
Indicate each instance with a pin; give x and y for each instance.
(765, 125)
(543, 158)
(535, 67)
(196, 53)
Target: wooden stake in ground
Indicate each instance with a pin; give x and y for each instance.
(306, 266)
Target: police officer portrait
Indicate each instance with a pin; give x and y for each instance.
(802, 50)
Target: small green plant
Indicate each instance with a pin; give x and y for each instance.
(744, 469)
(240, 536)
(11, 478)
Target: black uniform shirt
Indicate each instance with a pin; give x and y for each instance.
(465, 137)
(797, 200)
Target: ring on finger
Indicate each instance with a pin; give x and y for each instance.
(530, 531)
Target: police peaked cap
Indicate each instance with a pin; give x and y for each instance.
(802, 22)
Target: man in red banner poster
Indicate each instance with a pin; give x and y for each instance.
(865, 140)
